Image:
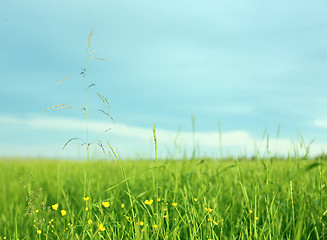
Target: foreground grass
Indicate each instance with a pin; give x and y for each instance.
(194, 199)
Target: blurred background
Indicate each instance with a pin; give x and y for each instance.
(226, 78)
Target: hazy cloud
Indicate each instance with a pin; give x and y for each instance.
(322, 123)
(133, 139)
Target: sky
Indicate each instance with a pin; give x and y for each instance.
(257, 68)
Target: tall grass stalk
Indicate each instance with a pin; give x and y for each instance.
(89, 57)
(193, 135)
(84, 73)
(155, 168)
(220, 141)
(86, 89)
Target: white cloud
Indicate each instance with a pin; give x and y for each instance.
(322, 123)
(131, 139)
(207, 139)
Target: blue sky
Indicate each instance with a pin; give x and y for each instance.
(250, 65)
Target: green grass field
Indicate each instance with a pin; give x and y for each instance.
(185, 199)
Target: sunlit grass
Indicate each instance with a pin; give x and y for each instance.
(196, 200)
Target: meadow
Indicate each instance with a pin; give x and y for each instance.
(164, 199)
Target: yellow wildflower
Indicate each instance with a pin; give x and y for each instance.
(90, 221)
(122, 206)
(251, 211)
(55, 206)
(195, 199)
(101, 227)
(159, 199)
(86, 208)
(147, 202)
(209, 210)
(38, 232)
(36, 211)
(256, 218)
(63, 212)
(165, 216)
(155, 226)
(174, 204)
(86, 198)
(141, 223)
(106, 204)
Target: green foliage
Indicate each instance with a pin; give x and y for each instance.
(235, 200)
